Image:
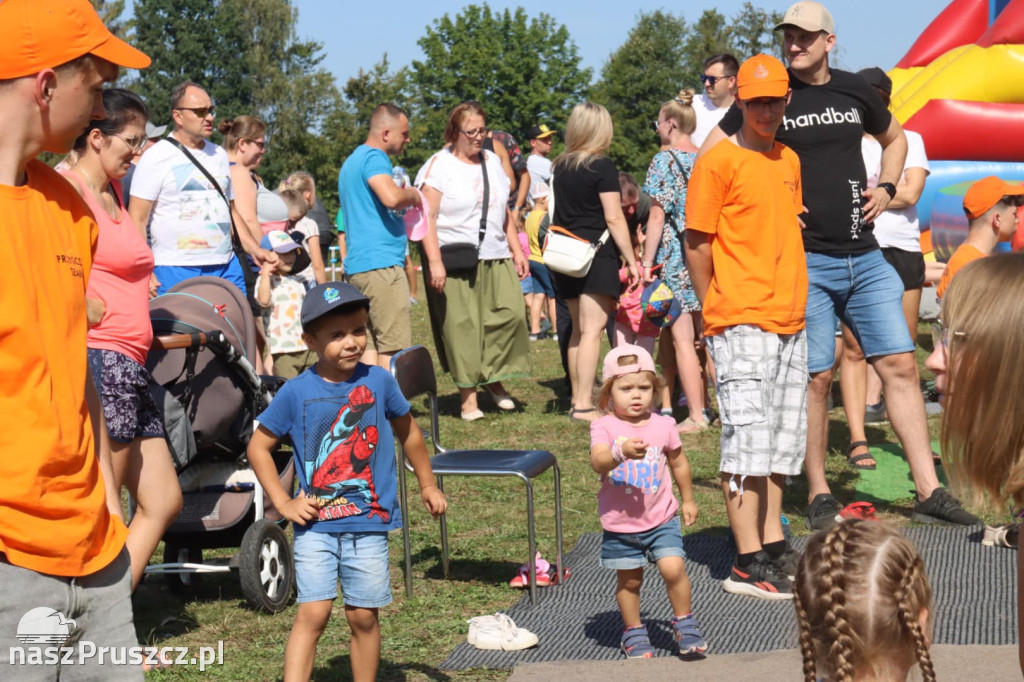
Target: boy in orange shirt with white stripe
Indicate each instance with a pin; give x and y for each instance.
(62, 554)
(746, 259)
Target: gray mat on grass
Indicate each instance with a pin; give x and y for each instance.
(974, 590)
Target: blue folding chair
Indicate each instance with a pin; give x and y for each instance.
(413, 368)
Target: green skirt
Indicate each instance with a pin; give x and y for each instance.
(479, 324)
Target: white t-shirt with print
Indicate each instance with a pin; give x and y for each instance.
(284, 331)
(462, 190)
(897, 228)
(307, 227)
(190, 223)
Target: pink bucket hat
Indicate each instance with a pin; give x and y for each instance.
(613, 369)
(416, 220)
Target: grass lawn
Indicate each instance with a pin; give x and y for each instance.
(487, 525)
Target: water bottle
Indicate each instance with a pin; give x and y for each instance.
(401, 178)
(787, 534)
(334, 258)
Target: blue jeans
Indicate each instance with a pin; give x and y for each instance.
(359, 560)
(864, 292)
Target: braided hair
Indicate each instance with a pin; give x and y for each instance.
(860, 590)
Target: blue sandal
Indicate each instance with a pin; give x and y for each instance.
(636, 644)
(687, 634)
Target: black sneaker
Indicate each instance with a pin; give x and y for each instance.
(943, 508)
(823, 513)
(875, 414)
(762, 579)
(788, 562)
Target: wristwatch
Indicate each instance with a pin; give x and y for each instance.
(889, 188)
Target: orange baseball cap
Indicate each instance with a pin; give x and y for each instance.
(986, 193)
(762, 76)
(43, 34)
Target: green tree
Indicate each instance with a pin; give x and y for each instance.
(110, 12)
(523, 70)
(642, 73)
(193, 39)
(752, 32)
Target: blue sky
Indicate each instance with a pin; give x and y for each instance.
(356, 34)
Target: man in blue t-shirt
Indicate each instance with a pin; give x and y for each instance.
(339, 415)
(375, 236)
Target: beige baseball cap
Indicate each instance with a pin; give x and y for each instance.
(808, 15)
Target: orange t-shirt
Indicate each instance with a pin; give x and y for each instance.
(964, 254)
(750, 201)
(53, 513)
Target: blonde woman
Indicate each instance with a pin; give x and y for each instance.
(667, 180)
(302, 182)
(587, 203)
(977, 358)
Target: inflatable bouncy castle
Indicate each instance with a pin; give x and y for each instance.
(961, 86)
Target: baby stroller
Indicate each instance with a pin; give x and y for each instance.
(203, 348)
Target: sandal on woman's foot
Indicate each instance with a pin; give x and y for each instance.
(690, 425)
(589, 411)
(857, 461)
(472, 415)
(502, 400)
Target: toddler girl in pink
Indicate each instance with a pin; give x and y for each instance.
(636, 451)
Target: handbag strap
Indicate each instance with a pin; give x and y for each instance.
(487, 197)
(235, 241)
(686, 180)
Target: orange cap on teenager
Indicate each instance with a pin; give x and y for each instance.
(43, 34)
(762, 76)
(986, 193)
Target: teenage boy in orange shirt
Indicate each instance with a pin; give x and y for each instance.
(746, 260)
(61, 547)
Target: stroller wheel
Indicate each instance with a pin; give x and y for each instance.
(180, 583)
(266, 568)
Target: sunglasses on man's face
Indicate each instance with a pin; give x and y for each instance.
(201, 112)
(711, 80)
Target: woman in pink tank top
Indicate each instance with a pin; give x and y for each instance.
(120, 333)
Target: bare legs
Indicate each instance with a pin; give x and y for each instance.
(684, 336)
(146, 468)
(310, 622)
(754, 516)
(677, 584)
(589, 319)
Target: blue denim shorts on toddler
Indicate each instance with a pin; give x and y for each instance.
(359, 560)
(625, 551)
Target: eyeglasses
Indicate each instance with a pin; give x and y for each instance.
(201, 112)
(261, 144)
(479, 132)
(136, 145)
(711, 80)
(940, 336)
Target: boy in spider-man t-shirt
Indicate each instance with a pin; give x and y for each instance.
(339, 415)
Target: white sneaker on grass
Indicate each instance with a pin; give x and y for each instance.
(499, 632)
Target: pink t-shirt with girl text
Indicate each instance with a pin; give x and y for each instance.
(637, 496)
(120, 275)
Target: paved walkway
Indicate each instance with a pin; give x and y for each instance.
(988, 663)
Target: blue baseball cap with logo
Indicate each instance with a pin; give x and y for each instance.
(329, 296)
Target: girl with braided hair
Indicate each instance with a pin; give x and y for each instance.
(863, 603)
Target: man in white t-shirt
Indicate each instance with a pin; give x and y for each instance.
(537, 163)
(189, 222)
(719, 80)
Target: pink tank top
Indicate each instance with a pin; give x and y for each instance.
(120, 277)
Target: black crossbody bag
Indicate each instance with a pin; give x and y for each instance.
(236, 243)
(464, 257)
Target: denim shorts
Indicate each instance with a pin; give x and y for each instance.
(526, 285)
(863, 291)
(625, 551)
(123, 387)
(359, 560)
(541, 279)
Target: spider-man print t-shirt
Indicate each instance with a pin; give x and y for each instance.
(343, 446)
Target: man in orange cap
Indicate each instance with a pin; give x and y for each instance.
(991, 207)
(61, 535)
(746, 260)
